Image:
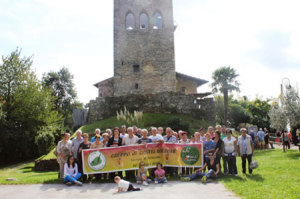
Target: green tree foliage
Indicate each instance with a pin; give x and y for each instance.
(259, 110)
(62, 87)
(224, 81)
(286, 110)
(28, 108)
(242, 110)
(238, 114)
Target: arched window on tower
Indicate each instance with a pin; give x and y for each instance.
(144, 21)
(158, 23)
(130, 21)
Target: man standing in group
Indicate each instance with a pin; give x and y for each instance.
(225, 163)
(129, 140)
(155, 137)
(160, 130)
(76, 143)
(261, 139)
(170, 138)
(245, 149)
(123, 131)
(135, 130)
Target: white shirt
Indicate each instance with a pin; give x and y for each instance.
(123, 184)
(129, 141)
(229, 145)
(156, 138)
(70, 171)
(121, 135)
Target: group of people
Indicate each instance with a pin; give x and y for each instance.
(287, 138)
(261, 139)
(217, 144)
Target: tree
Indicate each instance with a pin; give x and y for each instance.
(62, 86)
(277, 116)
(224, 81)
(286, 111)
(260, 112)
(238, 114)
(28, 108)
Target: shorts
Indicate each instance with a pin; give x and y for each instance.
(262, 142)
(286, 143)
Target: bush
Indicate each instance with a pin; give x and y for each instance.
(177, 124)
(44, 141)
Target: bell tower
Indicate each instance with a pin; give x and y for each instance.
(144, 59)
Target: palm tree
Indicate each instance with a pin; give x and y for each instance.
(225, 82)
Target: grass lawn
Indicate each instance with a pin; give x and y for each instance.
(278, 176)
(148, 120)
(25, 174)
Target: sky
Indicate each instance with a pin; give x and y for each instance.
(259, 38)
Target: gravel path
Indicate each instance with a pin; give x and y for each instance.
(172, 190)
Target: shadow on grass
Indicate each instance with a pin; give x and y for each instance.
(256, 177)
(231, 178)
(30, 169)
(293, 155)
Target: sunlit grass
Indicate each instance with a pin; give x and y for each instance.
(25, 174)
(278, 176)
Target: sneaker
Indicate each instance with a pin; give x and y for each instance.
(165, 181)
(203, 179)
(145, 183)
(69, 183)
(236, 175)
(78, 183)
(156, 182)
(138, 182)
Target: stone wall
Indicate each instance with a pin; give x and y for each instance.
(189, 85)
(106, 88)
(144, 59)
(166, 102)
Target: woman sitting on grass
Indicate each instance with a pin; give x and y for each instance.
(142, 175)
(160, 174)
(71, 172)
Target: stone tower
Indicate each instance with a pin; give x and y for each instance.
(144, 60)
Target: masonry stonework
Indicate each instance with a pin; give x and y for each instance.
(148, 49)
(144, 66)
(166, 102)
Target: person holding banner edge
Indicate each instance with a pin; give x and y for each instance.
(213, 170)
(115, 141)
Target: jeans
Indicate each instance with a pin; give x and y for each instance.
(161, 180)
(199, 174)
(69, 178)
(231, 164)
(249, 158)
(225, 162)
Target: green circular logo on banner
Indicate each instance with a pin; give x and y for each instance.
(96, 160)
(190, 155)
